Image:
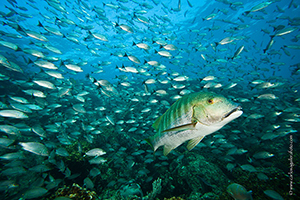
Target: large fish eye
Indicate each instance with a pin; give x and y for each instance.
(210, 101)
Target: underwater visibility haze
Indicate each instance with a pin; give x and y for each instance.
(149, 99)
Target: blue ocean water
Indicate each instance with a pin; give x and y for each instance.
(182, 24)
(115, 96)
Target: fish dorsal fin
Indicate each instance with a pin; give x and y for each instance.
(156, 123)
(182, 127)
(193, 142)
(167, 149)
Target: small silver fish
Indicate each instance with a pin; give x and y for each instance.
(95, 152)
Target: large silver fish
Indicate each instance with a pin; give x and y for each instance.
(191, 118)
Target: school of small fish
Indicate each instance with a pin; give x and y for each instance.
(86, 84)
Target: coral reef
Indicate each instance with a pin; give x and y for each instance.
(75, 192)
(156, 189)
(174, 198)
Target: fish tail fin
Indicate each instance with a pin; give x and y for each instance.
(265, 50)
(216, 43)
(246, 13)
(40, 24)
(250, 195)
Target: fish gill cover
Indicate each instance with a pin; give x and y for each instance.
(82, 82)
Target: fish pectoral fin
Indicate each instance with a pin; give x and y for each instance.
(167, 149)
(182, 127)
(150, 141)
(193, 142)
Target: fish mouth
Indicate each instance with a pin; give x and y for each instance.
(238, 108)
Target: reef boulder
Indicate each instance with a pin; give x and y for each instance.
(201, 176)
